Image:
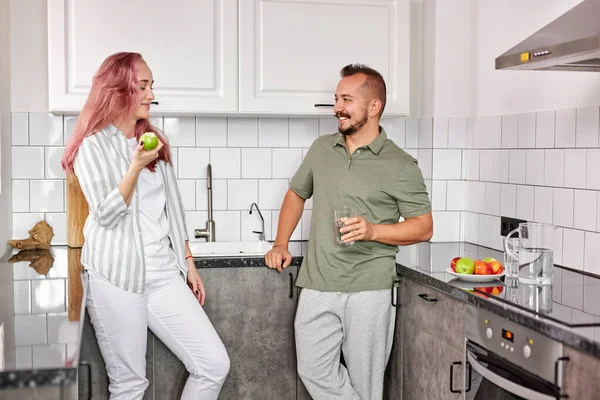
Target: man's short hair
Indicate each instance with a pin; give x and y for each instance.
(374, 82)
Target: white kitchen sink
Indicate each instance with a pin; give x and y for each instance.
(229, 249)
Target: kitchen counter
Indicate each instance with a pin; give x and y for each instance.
(41, 333)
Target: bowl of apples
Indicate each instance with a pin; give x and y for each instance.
(469, 270)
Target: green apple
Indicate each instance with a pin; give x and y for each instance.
(489, 259)
(465, 265)
(150, 140)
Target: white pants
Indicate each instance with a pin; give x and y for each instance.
(121, 318)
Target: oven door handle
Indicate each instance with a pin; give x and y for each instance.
(505, 383)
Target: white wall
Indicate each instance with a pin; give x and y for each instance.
(500, 25)
(5, 130)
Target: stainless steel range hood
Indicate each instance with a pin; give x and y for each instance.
(569, 43)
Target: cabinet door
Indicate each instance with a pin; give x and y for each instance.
(191, 47)
(253, 313)
(291, 51)
(582, 375)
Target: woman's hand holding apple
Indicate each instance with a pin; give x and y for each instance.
(142, 157)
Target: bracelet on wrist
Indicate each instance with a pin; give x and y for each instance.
(190, 256)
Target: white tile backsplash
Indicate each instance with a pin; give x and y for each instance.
(257, 163)
(303, 131)
(53, 169)
(575, 165)
(585, 210)
(563, 202)
(27, 162)
(192, 163)
(508, 200)
(501, 165)
(20, 195)
(573, 248)
(180, 131)
(425, 133)
(20, 129)
(47, 195)
(242, 132)
(241, 193)
(592, 171)
(30, 329)
(286, 162)
(45, 129)
(534, 174)
(58, 222)
(542, 210)
(440, 133)
(518, 163)
(457, 133)
(554, 167)
(211, 132)
(226, 163)
(394, 127)
(510, 130)
(525, 202)
(273, 132)
(544, 129)
(412, 133)
(586, 130)
(565, 128)
(447, 164)
(526, 136)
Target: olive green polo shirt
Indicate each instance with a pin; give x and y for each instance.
(382, 182)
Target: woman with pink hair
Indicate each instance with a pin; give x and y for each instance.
(136, 246)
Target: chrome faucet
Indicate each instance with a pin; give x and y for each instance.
(261, 235)
(209, 232)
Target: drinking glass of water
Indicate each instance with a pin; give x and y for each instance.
(340, 215)
(536, 264)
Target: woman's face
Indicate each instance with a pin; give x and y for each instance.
(145, 93)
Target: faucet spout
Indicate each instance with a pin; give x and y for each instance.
(209, 232)
(261, 234)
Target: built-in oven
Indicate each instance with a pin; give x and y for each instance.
(507, 361)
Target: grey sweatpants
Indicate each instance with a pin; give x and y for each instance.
(361, 324)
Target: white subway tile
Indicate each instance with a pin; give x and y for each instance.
(510, 130)
(456, 195)
(47, 195)
(463, 226)
(565, 128)
(395, 129)
(508, 200)
(252, 222)
(306, 217)
(30, 329)
(492, 198)
(554, 167)
(544, 129)
(187, 188)
(192, 162)
(457, 133)
(478, 197)
(518, 162)
(471, 171)
(211, 132)
(157, 122)
(558, 246)
(414, 153)
(27, 162)
(219, 193)
(535, 167)
(526, 136)
(286, 162)
(242, 132)
(48, 295)
(586, 131)
(440, 133)
(486, 165)
(48, 356)
(593, 169)
(542, 211)
(592, 253)
(23, 357)
(486, 234)
(447, 226)
(181, 131)
(197, 220)
(273, 132)
(20, 196)
(494, 131)
(412, 133)
(228, 226)
(573, 248)
(303, 131)
(575, 164)
(58, 222)
(470, 133)
(20, 129)
(425, 162)
(53, 168)
(68, 127)
(22, 297)
(23, 222)
(226, 163)
(563, 207)
(598, 217)
(271, 193)
(501, 165)
(438, 194)
(447, 164)
(525, 202)
(45, 129)
(241, 193)
(61, 330)
(472, 227)
(329, 125)
(61, 258)
(585, 209)
(296, 235)
(256, 163)
(425, 133)
(480, 134)
(428, 189)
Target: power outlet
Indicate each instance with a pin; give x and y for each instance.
(509, 224)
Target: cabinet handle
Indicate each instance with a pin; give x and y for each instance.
(452, 377)
(395, 293)
(89, 376)
(560, 394)
(291, 296)
(426, 297)
(323, 105)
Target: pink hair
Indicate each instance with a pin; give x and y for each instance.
(113, 96)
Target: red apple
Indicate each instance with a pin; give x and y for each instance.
(453, 263)
(497, 267)
(496, 290)
(483, 268)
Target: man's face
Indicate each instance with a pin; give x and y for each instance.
(351, 106)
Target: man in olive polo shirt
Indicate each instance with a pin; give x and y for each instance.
(345, 302)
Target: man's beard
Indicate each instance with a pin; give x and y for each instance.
(354, 127)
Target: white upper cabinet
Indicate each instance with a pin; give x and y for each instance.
(191, 47)
(291, 51)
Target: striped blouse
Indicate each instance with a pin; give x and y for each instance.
(114, 245)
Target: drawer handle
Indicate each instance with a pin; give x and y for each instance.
(426, 297)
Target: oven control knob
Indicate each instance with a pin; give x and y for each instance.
(527, 351)
(488, 333)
